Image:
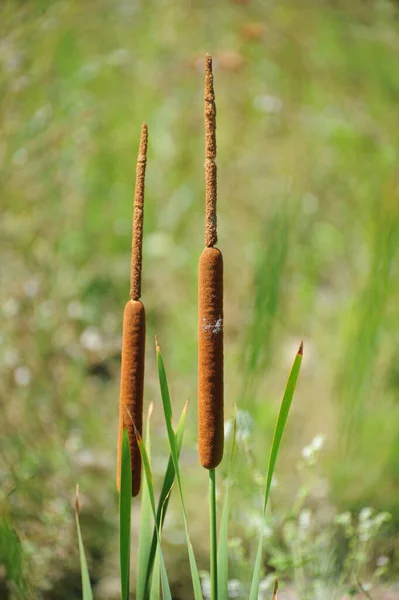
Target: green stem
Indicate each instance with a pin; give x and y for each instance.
(213, 540)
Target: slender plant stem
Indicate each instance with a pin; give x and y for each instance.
(213, 540)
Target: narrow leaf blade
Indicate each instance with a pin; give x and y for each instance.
(173, 450)
(86, 586)
(164, 497)
(145, 534)
(277, 436)
(166, 593)
(282, 420)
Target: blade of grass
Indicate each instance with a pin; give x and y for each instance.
(173, 450)
(125, 503)
(166, 594)
(145, 535)
(222, 559)
(86, 586)
(278, 434)
(164, 496)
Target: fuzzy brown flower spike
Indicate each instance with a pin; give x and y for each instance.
(210, 304)
(133, 342)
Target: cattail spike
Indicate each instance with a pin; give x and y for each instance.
(210, 304)
(210, 358)
(210, 156)
(138, 217)
(132, 387)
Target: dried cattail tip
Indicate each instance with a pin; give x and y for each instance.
(210, 156)
(210, 358)
(132, 387)
(138, 217)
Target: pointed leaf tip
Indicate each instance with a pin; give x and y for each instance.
(157, 346)
(77, 499)
(275, 590)
(300, 351)
(150, 410)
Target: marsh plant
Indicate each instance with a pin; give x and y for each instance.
(134, 452)
(297, 544)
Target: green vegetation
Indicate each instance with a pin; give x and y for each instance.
(309, 226)
(146, 563)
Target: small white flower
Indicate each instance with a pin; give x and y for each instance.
(382, 561)
(307, 451)
(234, 588)
(304, 518)
(245, 426)
(22, 376)
(367, 586)
(344, 518)
(91, 339)
(318, 442)
(268, 104)
(365, 513)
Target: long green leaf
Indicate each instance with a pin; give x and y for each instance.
(86, 586)
(164, 497)
(173, 450)
(278, 434)
(223, 556)
(125, 503)
(145, 534)
(166, 594)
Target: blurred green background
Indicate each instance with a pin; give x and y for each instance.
(307, 98)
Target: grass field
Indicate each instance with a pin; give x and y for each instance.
(308, 144)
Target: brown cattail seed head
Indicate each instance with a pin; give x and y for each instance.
(132, 387)
(210, 358)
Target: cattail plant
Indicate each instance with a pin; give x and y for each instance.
(210, 303)
(132, 449)
(210, 326)
(133, 342)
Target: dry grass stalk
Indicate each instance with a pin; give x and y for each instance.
(133, 342)
(210, 305)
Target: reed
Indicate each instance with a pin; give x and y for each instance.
(210, 303)
(133, 339)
